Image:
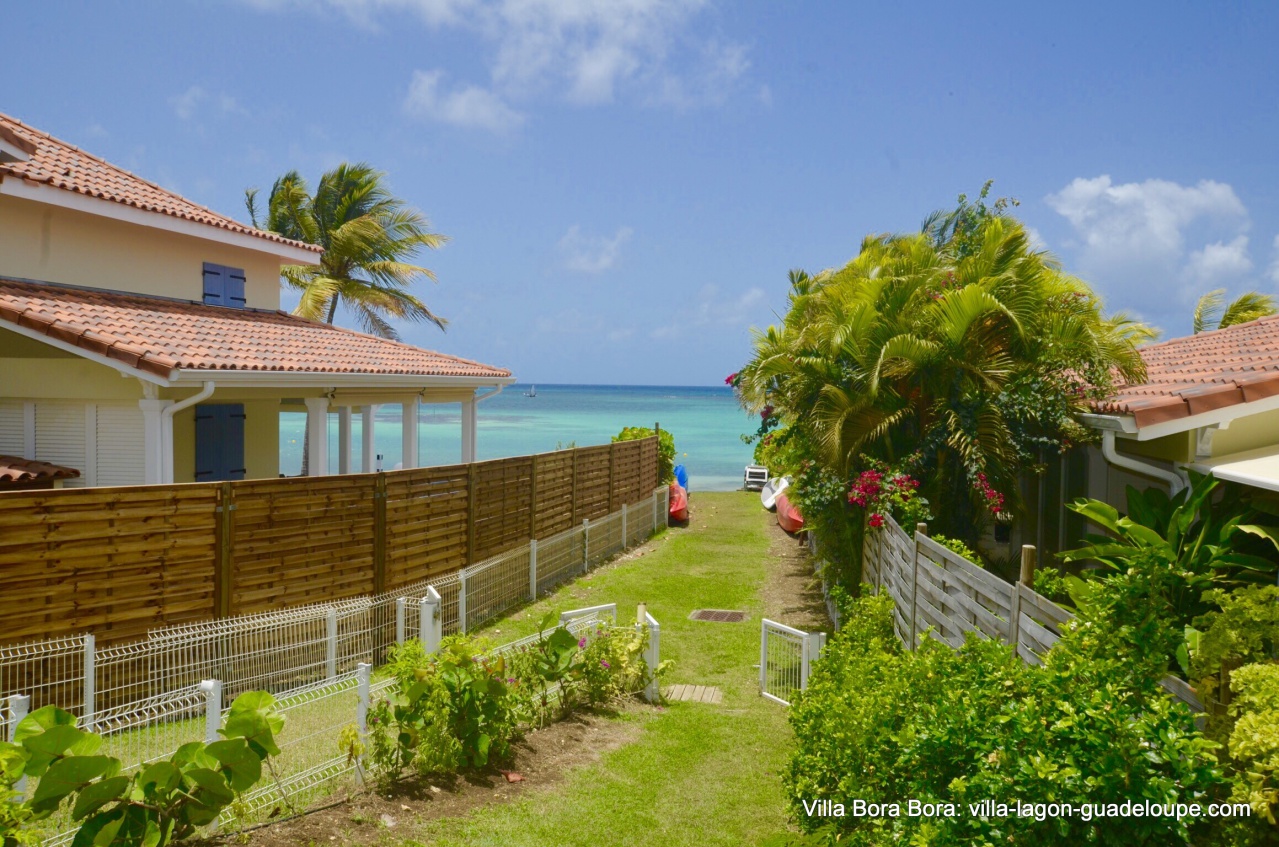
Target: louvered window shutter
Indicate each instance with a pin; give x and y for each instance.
(234, 288)
(219, 442)
(214, 285)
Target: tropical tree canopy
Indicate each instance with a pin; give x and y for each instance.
(1211, 309)
(952, 355)
(370, 238)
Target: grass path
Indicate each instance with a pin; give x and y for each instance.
(698, 774)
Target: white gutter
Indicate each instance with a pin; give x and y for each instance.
(493, 392)
(314, 379)
(1175, 480)
(166, 429)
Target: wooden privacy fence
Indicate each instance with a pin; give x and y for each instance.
(939, 592)
(122, 561)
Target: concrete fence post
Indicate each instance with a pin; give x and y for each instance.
(212, 689)
(626, 539)
(90, 682)
(401, 612)
(586, 543)
(363, 676)
(461, 600)
(532, 569)
(331, 645)
(805, 661)
(654, 499)
(431, 620)
(19, 708)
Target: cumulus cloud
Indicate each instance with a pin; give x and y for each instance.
(583, 51)
(592, 254)
(468, 106)
(1155, 246)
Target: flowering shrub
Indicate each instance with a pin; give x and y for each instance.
(989, 496)
(882, 492)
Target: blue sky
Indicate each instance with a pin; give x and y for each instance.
(626, 182)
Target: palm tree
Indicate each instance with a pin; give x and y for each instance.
(369, 238)
(956, 363)
(1246, 307)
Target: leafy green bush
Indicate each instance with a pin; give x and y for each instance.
(162, 802)
(959, 548)
(961, 726)
(1254, 742)
(1244, 628)
(665, 449)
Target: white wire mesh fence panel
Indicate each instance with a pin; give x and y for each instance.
(51, 673)
(310, 757)
(559, 558)
(782, 662)
(450, 592)
(605, 538)
(494, 586)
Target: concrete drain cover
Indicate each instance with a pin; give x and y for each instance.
(717, 616)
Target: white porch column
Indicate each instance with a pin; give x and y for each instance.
(369, 450)
(153, 439)
(344, 439)
(317, 431)
(408, 426)
(469, 430)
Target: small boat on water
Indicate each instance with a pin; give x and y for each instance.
(532, 391)
(772, 490)
(788, 517)
(679, 504)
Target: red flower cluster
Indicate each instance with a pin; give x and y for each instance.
(766, 412)
(866, 488)
(994, 500)
(874, 490)
(731, 379)
(876, 521)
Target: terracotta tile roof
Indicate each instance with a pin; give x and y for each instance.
(16, 469)
(61, 165)
(1202, 373)
(160, 335)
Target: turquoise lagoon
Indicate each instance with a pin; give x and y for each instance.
(707, 424)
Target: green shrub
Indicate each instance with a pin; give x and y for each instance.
(959, 548)
(665, 450)
(961, 726)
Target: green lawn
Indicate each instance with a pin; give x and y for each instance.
(698, 774)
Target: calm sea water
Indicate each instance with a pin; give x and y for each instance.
(707, 424)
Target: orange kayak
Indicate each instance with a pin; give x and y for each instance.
(788, 517)
(679, 503)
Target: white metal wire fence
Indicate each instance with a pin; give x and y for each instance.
(309, 645)
(786, 655)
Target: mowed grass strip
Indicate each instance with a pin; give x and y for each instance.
(699, 774)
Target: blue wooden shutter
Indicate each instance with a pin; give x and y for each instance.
(235, 288)
(214, 285)
(224, 286)
(219, 442)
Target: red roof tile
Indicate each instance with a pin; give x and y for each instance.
(1202, 373)
(61, 165)
(16, 469)
(160, 335)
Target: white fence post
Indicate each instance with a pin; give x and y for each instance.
(626, 539)
(805, 660)
(461, 601)
(331, 645)
(654, 499)
(19, 707)
(401, 609)
(532, 569)
(212, 689)
(363, 674)
(90, 681)
(431, 620)
(654, 658)
(586, 543)
(763, 656)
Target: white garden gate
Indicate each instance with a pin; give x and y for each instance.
(786, 656)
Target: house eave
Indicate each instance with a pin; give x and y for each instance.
(319, 379)
(53, 196)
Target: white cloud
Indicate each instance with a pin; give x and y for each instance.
(711, 308)
(584, 51)
(1035, 239)
(469, 106)
(195, 102)
(1155, 246)
(1274, 266)
(592, 254)
(1219, 261)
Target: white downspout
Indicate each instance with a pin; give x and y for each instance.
(470, 423)
(1175, 480)
(166, 429)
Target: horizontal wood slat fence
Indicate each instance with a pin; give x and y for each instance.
(940, 593)
(122, 561)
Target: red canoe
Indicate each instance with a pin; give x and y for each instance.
(788, 517)
(679, 503)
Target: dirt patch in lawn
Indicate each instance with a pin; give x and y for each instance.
(792, 592)
(543, 758)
